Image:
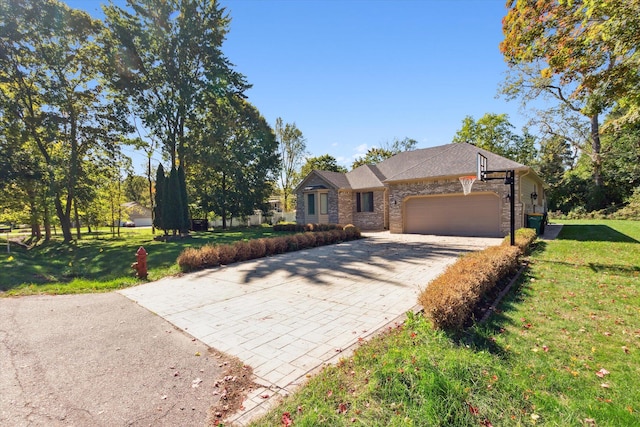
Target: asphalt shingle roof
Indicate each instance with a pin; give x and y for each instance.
(455, 159)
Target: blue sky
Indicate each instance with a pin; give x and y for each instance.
(354, 74)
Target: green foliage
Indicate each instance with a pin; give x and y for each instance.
(325, 162)
(165, 57)
(185, 219)
(388, 149)
(158, 219)
(49, 67)
(235, 165)
(494, 132)
(292, 148)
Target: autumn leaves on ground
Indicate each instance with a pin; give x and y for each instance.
(563, 349)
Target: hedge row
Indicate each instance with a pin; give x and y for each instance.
(449, 299)
(214, 255)
(290, 226)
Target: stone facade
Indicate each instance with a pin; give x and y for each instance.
(332, 208)
(370, 220)
(388, 203)
(399, 192)
(345, 201)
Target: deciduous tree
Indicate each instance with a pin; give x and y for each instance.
(387, 149)
(583, 54)
(325, 162)
(292, 147)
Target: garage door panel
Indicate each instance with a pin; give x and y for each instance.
(472, 215)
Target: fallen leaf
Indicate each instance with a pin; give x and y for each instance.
(196, 383)
(330, 393)
(607, 333)
(342, 408)
(473, 409)
(286, 419)
(590, 421)
(197, 353)
(625, 349)
(604, 385)
(535, 417)
(545, 348)
(602, 372)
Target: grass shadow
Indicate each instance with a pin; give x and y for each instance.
(593, 233)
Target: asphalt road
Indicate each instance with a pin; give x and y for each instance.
(102, 360)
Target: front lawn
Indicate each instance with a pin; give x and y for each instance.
(563, 349)
(100, 262)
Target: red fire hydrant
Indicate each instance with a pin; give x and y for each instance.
(141, 265)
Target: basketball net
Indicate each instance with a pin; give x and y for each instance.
(467, 182)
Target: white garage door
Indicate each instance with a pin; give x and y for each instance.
(472, 215)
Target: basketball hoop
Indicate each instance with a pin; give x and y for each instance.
(467, 182)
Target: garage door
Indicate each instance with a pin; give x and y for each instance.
(472, 215)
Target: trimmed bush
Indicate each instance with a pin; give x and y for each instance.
(226, 254)
(211, 256)
(280, 245)
(352, 231)
(258, 248)
(450, 298)
(524, 238)
(243, 251)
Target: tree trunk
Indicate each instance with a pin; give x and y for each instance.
(34, 217)
(65, 220)
(76, 218)
(47, 218)
(596, 151)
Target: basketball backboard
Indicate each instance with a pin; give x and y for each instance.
(481, 168)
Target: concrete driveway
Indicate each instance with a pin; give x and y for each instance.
(288, 315)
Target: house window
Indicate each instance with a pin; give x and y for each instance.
(311, 204)
(324, 203)
(364, 202)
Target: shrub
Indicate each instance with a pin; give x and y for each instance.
(524, 238)
(226, 254)
(209, 256)
(352, 231)
(320, 238)
(292, 243)
(189, 259)
(451, 297)
(243, 251)
(258, 248)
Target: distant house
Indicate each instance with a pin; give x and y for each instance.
(420, 192)
(139, 215)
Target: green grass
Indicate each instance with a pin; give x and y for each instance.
(99, 262)
(575, 312)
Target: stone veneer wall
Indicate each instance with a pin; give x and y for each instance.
(332, 209)
(369, 220)
(398, 192)
(345, 210)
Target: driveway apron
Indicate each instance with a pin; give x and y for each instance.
(288, 315)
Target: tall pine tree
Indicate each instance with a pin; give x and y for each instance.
(184, 208)
(158, 219)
